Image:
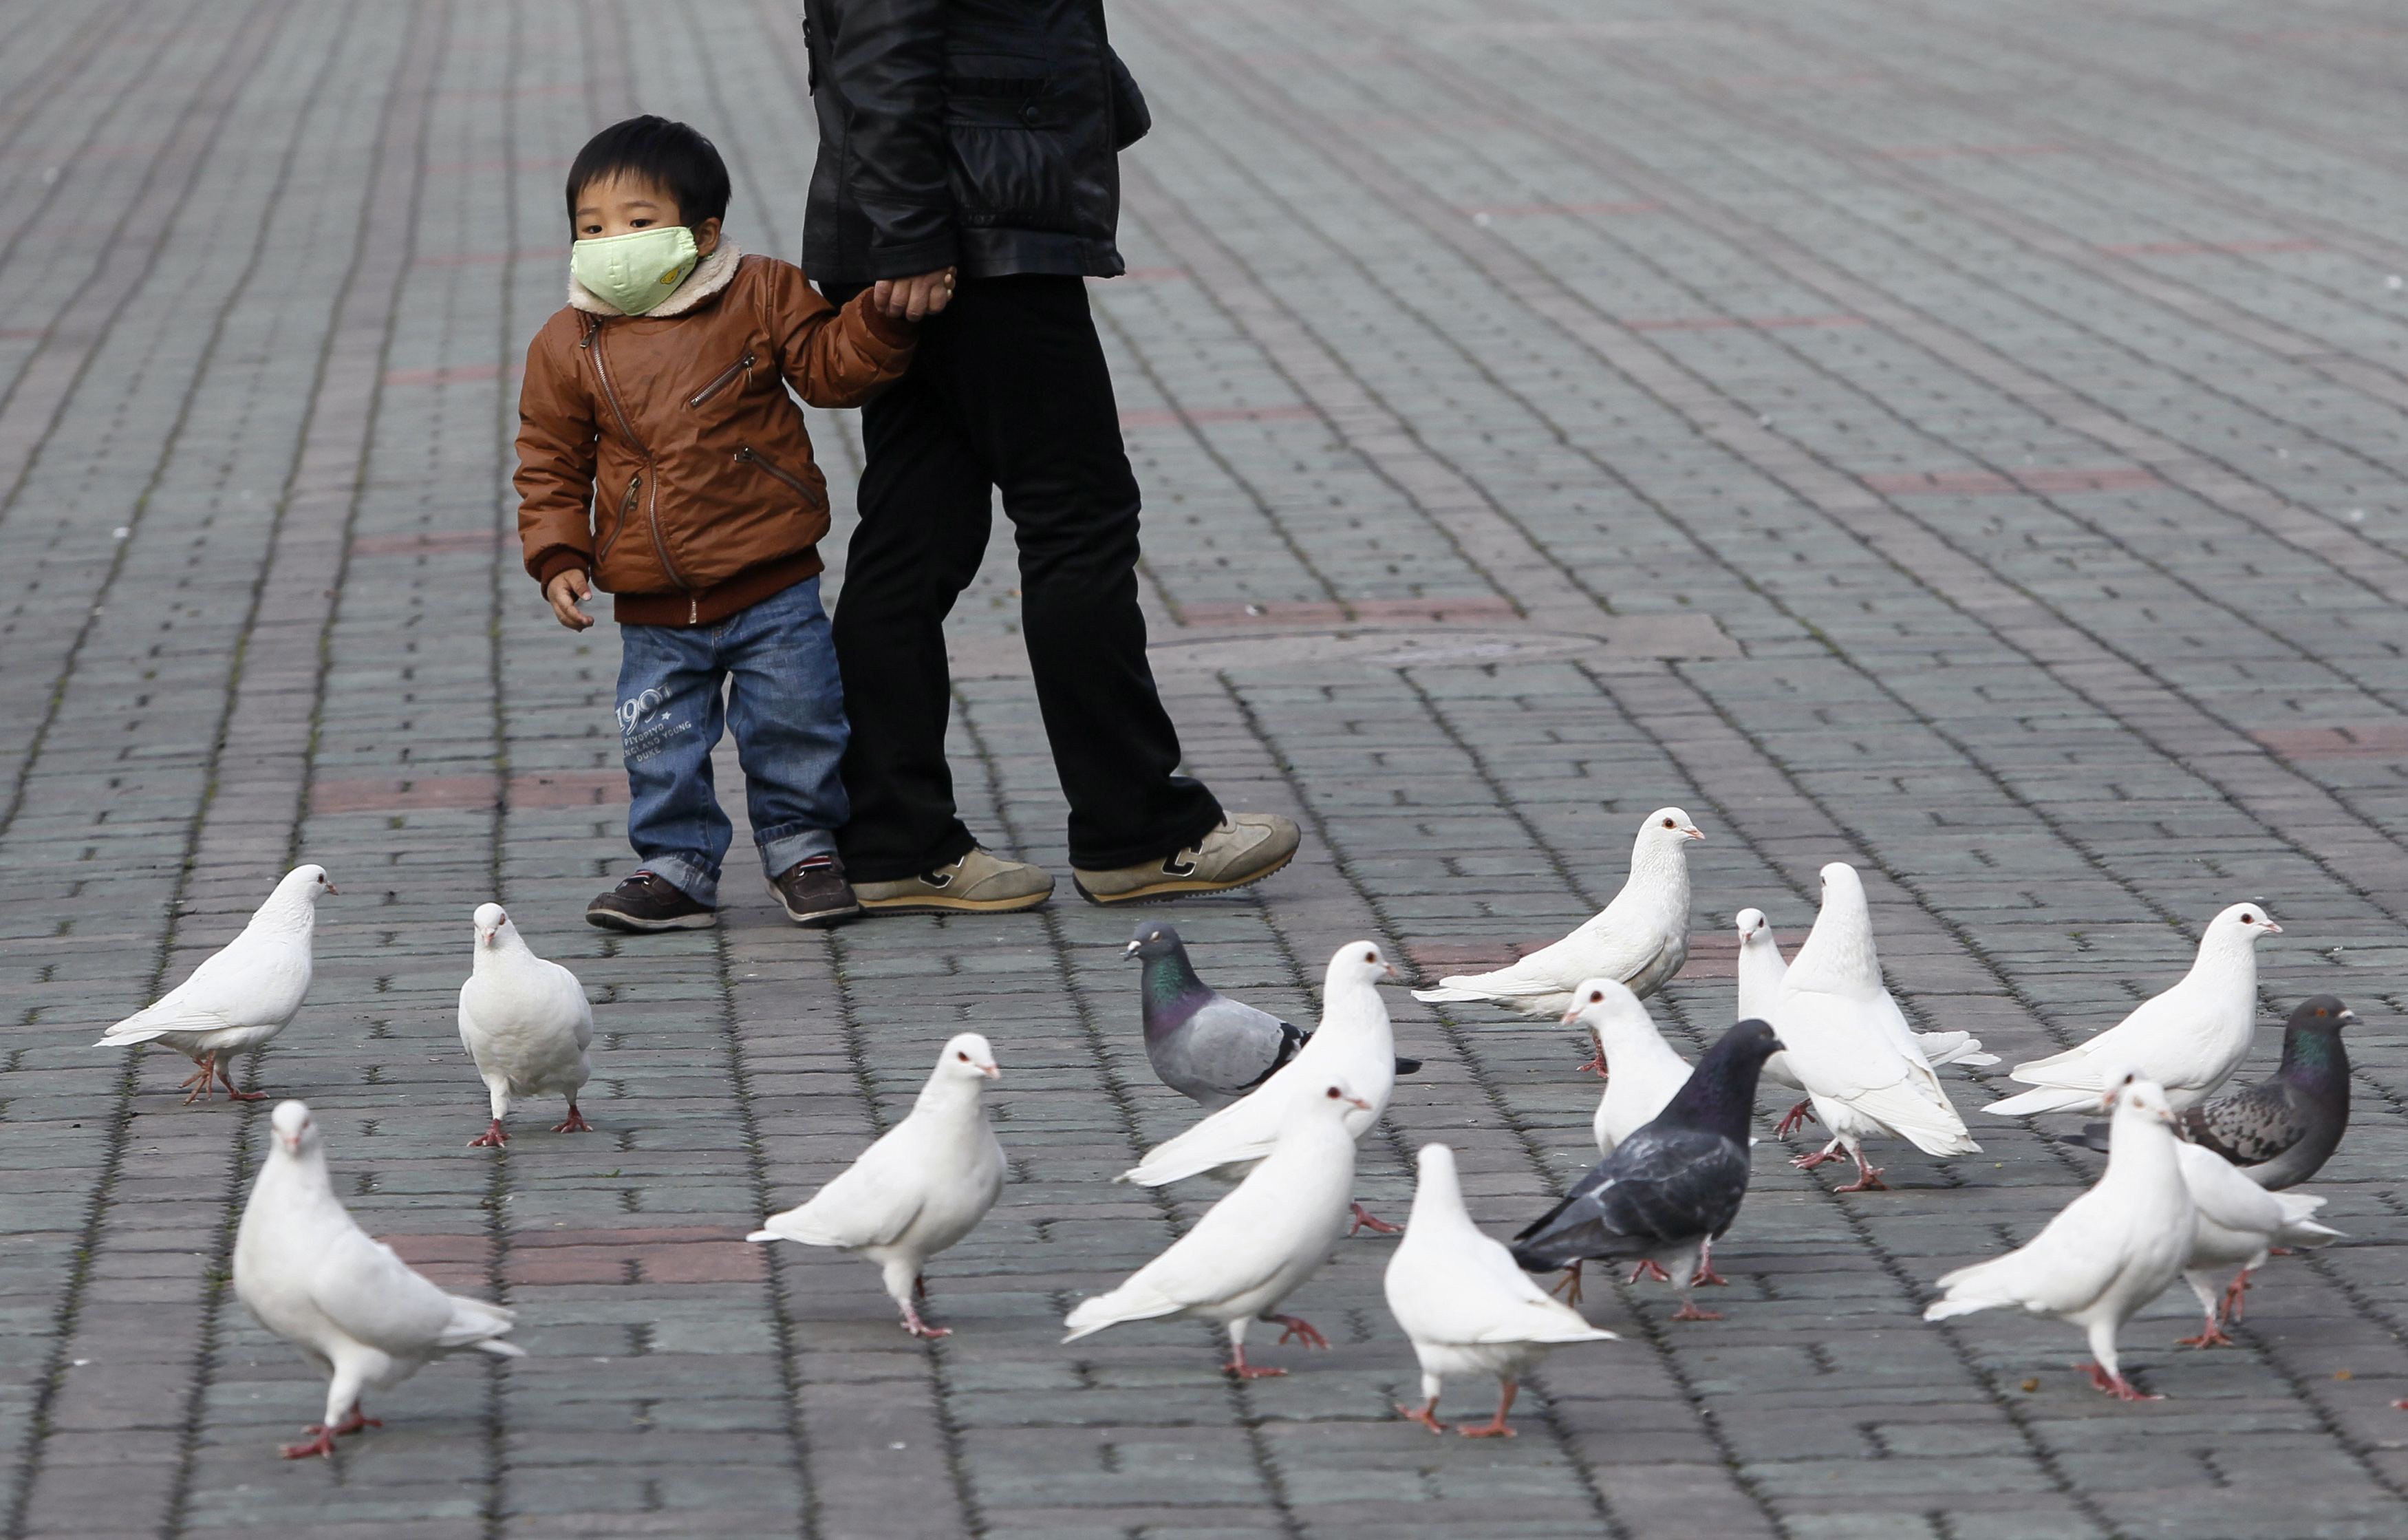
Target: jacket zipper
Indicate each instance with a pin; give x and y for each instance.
(726, 377)
(746, 455)
(652, 504)
(627, 512)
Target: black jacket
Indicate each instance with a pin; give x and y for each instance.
(981, 134)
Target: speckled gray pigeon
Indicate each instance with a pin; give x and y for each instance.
(1206, 1046)
(2282, 1129)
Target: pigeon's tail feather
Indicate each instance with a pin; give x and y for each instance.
(1448, 992)
(1940, 1310)
(1130, 1301)
(1953, 1048)
(1407, 1066)
(2047, 1099)
(800, 1226)
(500, 1349)
(475, 1323)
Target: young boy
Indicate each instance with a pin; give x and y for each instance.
(661, 459)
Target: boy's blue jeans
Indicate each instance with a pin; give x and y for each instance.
(786, 708)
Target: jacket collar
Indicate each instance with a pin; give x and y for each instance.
(712, 274)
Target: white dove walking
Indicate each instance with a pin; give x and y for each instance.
(1642, 1071)
(2238, 1224)
(2106, 1254)
(1466, 1305)
(242, 995)
(1257, 1245)
(1850, 1047)
(2189, 1039)
(1355, 1042)
(526, 1022)
(1640, 939)
(357, 1312)
(926, 1183)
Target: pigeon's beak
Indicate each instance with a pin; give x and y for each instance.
(1779, 1046)
(291, 1143)
(1130, 950)
(331, 888)
(991, 1070)
(1358, 1101)
(2347, 1019)
(1572, 1016)
(1392, 971)
(2269, 928)
(1694, 832)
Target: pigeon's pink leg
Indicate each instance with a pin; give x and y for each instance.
(2210, 1335)
(919, 1285)
(322, 1441)
(200, 1080)
(1823, 1157)
(491, 1139)
(2236, 1294)
(1298, 1330)
(1569, 1286)
(2115, 1385)
(1802, 1113)
(227, 1076)
(918, 1328)
(1239, 1367)
(354, 1422)
(1595, 1059)
(1868, 1179)
(1495, 1427)
(1647, 1266)
(1707, 1277)
(1689, 1312)
(1366, 1219)
(576, 1123)
(1426, 1416)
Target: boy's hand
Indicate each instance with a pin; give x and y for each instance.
(914, 298)
(564, 591)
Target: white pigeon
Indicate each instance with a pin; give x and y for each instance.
(1259, 1244)
(1468, 1308)
(526, 1022)
(2106, 1254)
(1638, 940)
(1761, 970)
(1642, 1071)
(2188, 1039)
(2238, 1223)
(1354, 1043)
(922, 1186)
(1847, 1044)
(357, 1312)
(242, 995)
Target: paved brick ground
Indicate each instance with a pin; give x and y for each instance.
(1965, 441)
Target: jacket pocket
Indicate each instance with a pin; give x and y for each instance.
(741, 369)
(627, 512)
(1005, 137)
(801, 488)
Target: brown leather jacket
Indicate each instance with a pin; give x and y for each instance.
(661, 454)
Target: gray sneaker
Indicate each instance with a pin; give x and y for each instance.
(1246, 847)
(981, 882)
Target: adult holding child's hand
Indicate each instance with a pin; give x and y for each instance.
(967, 177)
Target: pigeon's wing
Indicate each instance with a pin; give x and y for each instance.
(573, 1002)
(1660, 1185)
(377, 1298)
(871, 1203)
(1233, 1047)
(2250, 1127)
(1844, 1051)
(2158, 1037)
(1245, 1130)
(1470, 1291)
(2075, 1258)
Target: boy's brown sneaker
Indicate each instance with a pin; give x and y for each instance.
(813, 891)
(1246, 847)
(648, 902)
(981, 882)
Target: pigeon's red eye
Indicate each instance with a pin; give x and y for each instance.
(1370, 957)
(1667, 823)
(964, 1057)
(1333, 1093)
(2249, 919)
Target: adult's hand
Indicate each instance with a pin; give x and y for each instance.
(564, 591)
(914, 298)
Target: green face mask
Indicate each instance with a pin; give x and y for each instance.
(638, 270)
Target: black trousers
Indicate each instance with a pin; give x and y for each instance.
(1009, 390)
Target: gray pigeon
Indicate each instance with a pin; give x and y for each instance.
(1672, 1187)
(1206, 1046)
(2282, 1129)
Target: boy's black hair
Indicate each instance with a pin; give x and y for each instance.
(671, 153)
